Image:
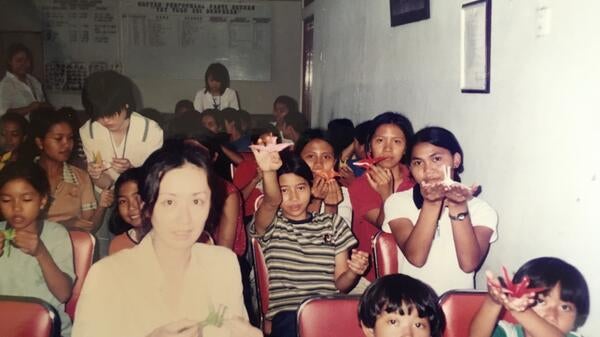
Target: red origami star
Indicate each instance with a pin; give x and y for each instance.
(369, 161)
(327, 175)
(517, 289)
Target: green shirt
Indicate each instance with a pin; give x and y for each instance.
(506, 329)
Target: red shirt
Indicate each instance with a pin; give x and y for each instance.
(242, 176)
(239, 245)
(364, 199)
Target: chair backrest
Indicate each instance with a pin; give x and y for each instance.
(261, 275)
(27, 317)
(329, 316)
(460, 307)
(83, 255)
(385, 254)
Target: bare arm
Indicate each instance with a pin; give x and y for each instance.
(347, 271)
(235, 157)
(268, 162)
(486, 319)
(228, 221)
(59, 283)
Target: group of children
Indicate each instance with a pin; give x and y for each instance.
(312, 198)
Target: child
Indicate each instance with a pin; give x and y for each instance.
(399, 305)
(38, 261)
(294, 124)
(232, 120)
(13, 131)
(440, 227)
(307, 254)
(216, 93)
(389, 137)
(556, 311)
(282, 106)
(126, 222)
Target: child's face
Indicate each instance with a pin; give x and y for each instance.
(210, 123)
(11, 135)
(279, 111)
(182, 206)
(295, 191)
(396, 325)
(318, 154)
(20, 203)
(555, 311)
(428, 161)
(129, 203)
(58, 142)
(115, 122)
(388, 141)
(214, 86)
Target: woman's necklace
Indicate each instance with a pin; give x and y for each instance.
(112, 143)
(216, 102)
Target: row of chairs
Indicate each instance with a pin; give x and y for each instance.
(330, 316)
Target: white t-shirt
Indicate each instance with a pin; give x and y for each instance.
(441, 271)
(344, 207)
(204, 100)
(15, 94)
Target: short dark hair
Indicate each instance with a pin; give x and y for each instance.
(362, 131)
(215, 114)
(397, 119)
(310, 135)
(292, 163)
(219, 73)
(440, 137)
(117, 225)
(288, 101)
(175, 153)
(16, 48)
(28, 171)
(297, 121)
(390, 292)
(184, 104)
(341, 133)
(44, 120)
(232, 115)
(548, 272)
(105, 93)
(16, 118)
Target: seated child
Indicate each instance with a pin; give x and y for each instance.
(294, 124)
(558, 309)
(399, 305)
(307, 254)
(36, 258)
(13, 131)
(126, 222)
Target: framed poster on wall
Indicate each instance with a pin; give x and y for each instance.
(407, 11)
(475, 46)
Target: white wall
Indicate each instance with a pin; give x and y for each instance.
(532, 142)
(256, 97)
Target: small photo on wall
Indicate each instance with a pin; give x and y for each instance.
(407, 11)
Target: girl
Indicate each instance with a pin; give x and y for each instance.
(399, 305)
(13, 132)
(307, 254)
(389, 137)
(216, 93)
(554, 312)
(315, 148)
(42, 264)
(437, 218)
(282, 106)
(126, 222)
(73, 200)
(184, 282)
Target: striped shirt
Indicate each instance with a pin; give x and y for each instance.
(300, 257)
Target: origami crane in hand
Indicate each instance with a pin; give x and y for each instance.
(369, 161)
(9, 235)
(517, 289)
(270, 145)
(327, 175)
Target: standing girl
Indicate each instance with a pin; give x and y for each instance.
(307, 254)
(389, 137)
(216, 93)
(438, 217)
(42, 264)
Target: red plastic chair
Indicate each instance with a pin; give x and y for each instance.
(460, 307)
(27, 317)
(83, 255)
(261, 275)
(329, 316)
(385, 254)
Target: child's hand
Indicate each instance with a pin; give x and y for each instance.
(28, 242)
(459, 193)
(381, 180)
(267, 161)
(319, 188)
(498, 295)
(106, 198)
(433, 191)
(334, 193)
(120, 164)
(1, 243)
(359, 261)
(95, 169)
(346, 176)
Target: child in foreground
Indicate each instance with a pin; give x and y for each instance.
(36, 256)
(556, 311)
(399, 305)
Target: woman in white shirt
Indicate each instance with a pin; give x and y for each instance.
(19, 91)
(216, 93)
